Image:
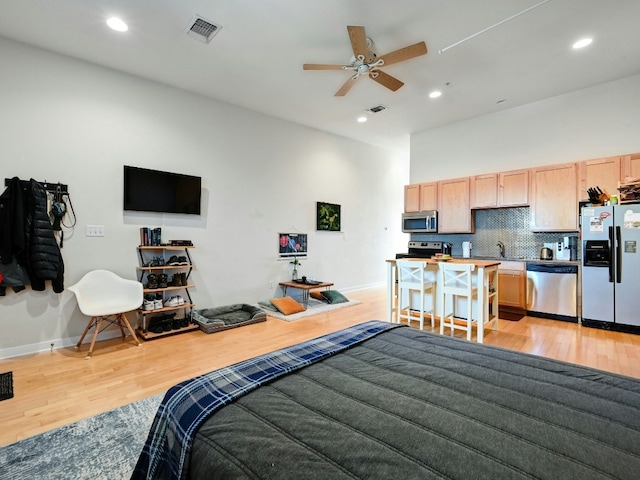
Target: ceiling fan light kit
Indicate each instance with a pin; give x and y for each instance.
(365, 61)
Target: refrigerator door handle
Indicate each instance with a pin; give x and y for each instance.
(611, 254)
(618, 255)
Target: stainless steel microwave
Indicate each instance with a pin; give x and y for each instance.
(420, 222)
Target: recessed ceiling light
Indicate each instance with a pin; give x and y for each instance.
(362, 119)
(435, 94)
(583, 42)
(117, 24)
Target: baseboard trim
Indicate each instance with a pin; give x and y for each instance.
(32, 348)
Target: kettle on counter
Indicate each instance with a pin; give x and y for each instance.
(546, 254)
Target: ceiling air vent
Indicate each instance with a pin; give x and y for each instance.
(377, 109)
(202, 30)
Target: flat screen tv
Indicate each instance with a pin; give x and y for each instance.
(292, 245)
(148, 190)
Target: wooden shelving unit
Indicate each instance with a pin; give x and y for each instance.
(145, 317)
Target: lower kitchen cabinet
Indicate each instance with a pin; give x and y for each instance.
(512, 285)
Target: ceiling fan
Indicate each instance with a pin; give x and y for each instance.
(365, 61)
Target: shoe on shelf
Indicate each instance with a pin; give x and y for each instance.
(155, 326)
(174, 301)
(152, 281)
(182, 261)
(173, 260)
(157, 302)
(176, 280)
(183, 278)
(148, 303)
(162, 280)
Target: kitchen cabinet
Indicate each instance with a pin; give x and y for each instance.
(513, 188)
(454, 213)
(554, 204)
(512, 285)
(421, 197)
(412, 198)
(630, 167)
(605, 173)
(484, 191)
(504, 189)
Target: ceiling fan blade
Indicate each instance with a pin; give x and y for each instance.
(392, 83)
(316, 66)
(405, 53)
(358, 41)
(345, 87)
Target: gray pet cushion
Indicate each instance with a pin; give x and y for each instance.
(228, 316)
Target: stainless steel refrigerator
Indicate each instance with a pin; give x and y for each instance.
(611, 264)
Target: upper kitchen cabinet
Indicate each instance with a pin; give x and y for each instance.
(554, 203)
(454, 213)
(601, 172)
(513, 188)
(504, 189)
(484, 191)
(630, 166)
(421, 197)
(412, 198)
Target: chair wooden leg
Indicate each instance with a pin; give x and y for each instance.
(119, 322)
(86, 330)
(469, 318)
(124, 320)
(93, 339)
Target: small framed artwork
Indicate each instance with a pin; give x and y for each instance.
(292, 245)
(327, 216)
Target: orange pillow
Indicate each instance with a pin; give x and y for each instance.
(317, 295)
(287, 305)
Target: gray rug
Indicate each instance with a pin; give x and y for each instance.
(103, 447)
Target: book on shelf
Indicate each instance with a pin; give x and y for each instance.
(150, 237)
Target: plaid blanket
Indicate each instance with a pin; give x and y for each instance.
(187, 405)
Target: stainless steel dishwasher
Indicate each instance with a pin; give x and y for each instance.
(552, 291)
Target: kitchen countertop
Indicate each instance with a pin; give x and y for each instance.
(524, 260)
(478, 261)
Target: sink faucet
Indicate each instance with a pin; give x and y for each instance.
(500, 245)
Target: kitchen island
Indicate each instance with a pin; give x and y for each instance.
(487, 281)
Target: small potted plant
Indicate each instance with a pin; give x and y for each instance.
(296, 263)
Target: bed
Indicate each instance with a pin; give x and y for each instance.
(379, 400)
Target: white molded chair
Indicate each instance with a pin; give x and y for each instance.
(104, 296)
(457, 281)
(412, 283)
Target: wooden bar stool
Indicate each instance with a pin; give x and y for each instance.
(456, 282)
(411, 283)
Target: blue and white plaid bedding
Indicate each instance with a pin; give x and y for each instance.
(187, 405)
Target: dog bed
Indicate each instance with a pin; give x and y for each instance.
(216, 319)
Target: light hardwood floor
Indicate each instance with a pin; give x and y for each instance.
(55, 388)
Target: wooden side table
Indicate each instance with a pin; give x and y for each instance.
(305, 287)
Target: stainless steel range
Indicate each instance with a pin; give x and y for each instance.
(425, 249)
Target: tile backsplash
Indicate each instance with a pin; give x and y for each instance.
(507, 225)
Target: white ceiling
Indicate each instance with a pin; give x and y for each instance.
(255, 61)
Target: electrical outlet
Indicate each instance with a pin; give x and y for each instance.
(95, 231)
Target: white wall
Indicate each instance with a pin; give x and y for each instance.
(70, 121)
(591, 123)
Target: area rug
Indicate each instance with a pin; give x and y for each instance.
(513, 317)
(315, 307)
(103, 447)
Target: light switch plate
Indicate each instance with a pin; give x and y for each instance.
(95, 231)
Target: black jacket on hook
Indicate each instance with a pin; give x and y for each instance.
(26, 234)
